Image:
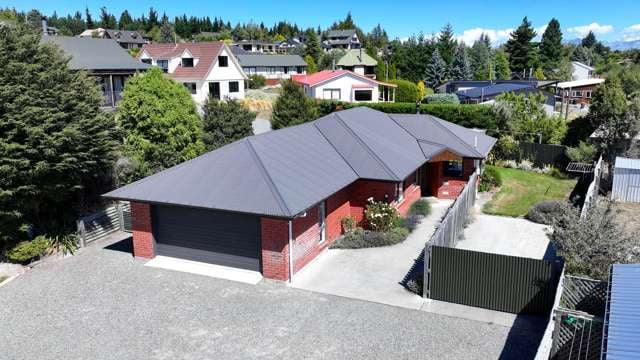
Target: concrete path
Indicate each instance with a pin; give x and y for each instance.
(260, 125)
(372, 274)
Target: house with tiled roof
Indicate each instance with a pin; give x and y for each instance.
(205, 68)
(346, 86)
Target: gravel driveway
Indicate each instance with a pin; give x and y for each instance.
(102, 304)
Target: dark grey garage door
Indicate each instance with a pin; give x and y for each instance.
(208, 236)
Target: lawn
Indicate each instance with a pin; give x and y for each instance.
(2, 278)
(521, 190)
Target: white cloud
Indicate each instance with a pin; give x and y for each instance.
(497, 36)
(596, 28)
(631, 33)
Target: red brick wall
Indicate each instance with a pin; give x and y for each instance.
(361, 190)
(143, 243)
(448, 187)
(411, 195)
(275, 248)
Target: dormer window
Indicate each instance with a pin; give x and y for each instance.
(187, 62)
(223, 61)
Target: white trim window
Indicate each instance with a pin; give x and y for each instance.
(399, 191)
(363, 95)
(322, 220)
(191, 86)
(331, 94)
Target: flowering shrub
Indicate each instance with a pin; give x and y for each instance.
(380, 215)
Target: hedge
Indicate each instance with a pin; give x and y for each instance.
(406, 90)
(467, 115)
(441, 99)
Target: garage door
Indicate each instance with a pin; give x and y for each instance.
(208, 236)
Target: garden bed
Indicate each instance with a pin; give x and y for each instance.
(522, 189)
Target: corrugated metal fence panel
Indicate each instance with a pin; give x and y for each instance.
(104, 222)
(626, 185)
(544, 154)
(492, 281)
(125, 206)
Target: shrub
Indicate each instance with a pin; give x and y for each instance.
(406, 91)
(420, 207)
(490, 179)
(359, 238)
(441, 99)
(256, 81)
(64, 243)
(506, 148)
(583, 153)
(380, 216)
(558, 174)
(224, 122)
(416, 283)
(26, 251)
(544, 212)
(348, 224)
(525, 165)
(292, 107)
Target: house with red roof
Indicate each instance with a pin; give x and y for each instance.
(205, 68)
(345, 85)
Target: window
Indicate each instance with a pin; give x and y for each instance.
(399, 191)
(234, 87)
(576, 94)
(250, 70)
(187, 62)
(322, 224)
(146, 61)
(452, 168)
(163, 64)
(191, 86)
(331, 94)
(363, 95)
(587, 94)
(223, 61)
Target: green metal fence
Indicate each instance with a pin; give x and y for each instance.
(492, 281)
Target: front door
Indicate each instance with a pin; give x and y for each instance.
(322, 224)
(214, 90)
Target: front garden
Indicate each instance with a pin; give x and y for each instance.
(521, 189)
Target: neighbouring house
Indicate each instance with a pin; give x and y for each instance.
(345, 85)
(455, 86)
(620, 336)
(341, 39)
(290, 44)
(273, 67)
(49, 30)
(101, 58)
(272, 202)
(205, 68)
(626, 180)
(358, 61)
(577, 92)
(581, 71)
(481, 94)
(128, 39)
(259, 46)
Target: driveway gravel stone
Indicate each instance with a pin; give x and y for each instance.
(103, 304)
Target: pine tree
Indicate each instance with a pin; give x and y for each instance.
(160, 123)
(167, 35)
(107, 21)
(313, 46)
(589, 41)
(292, 107)
(447, 44)
(88, 18)
(460, 68)
(551, 46)
(582, 54)
(480, 58)
(225, 122)
(125, 21)
(56, 145)
(436, 70)
(503, 72)
(522, 51)
(311, 64)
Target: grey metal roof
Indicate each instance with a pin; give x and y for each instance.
(622, 333)
(492, 90)
(95, 54)
(341, 33)
(126, 36)
(627, 163)
(270, 60)
(284, 172)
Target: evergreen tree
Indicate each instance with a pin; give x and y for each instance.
(503, 72)
(292, 107)
(480, 58)
(436, 70)
(167, 35)
(522, 51)
(311, 64)
(125, 21)
(447, 44)
(589, 41)
(153, 19)
(88, 18)
(160, 123)
(460, 68)
(225, 122)
(551, 46)
(56, 145)
(107, 21)
(34, 19)
(582, 54)
(313, 48)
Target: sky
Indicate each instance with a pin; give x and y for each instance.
(612, 20)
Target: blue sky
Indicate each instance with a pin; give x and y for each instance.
(610, 20)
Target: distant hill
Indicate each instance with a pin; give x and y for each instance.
(614, 45)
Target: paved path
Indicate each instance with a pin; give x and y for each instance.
(102, 304)
(372, 274)
(260, 125)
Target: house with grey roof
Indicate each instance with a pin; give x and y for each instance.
(270, 203)
(127, 39)
(101, 58)
(358, 61)
(341, 39)
(273, 67)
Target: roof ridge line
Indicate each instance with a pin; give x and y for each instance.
(367, 148)
(272, 186)
(334, 148)
(457, 137)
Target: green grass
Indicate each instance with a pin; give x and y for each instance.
(521, 190)
(2, 278)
